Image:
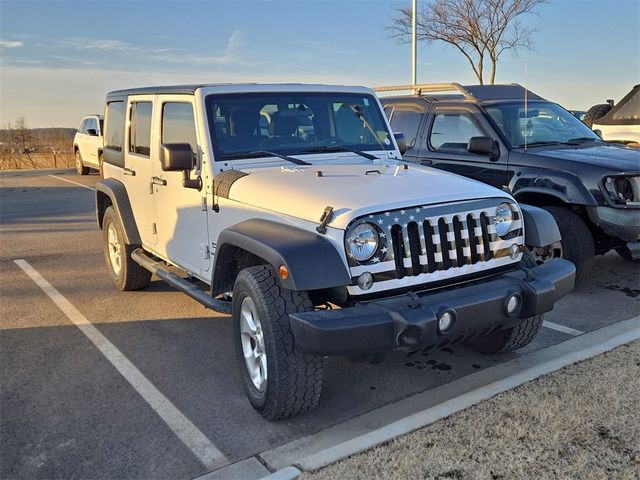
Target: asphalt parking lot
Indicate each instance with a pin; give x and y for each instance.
(66, 412)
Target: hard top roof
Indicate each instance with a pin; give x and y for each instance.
(479, 93)
(235, 88)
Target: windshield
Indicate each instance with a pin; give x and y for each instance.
(541, 123)
(294, 123)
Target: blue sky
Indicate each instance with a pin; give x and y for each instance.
(58, 59)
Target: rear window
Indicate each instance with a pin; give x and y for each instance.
(140, 130)
(115, 121)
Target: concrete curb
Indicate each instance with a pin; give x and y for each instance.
(36, 172)
(522, 370)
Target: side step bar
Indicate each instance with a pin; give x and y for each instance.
(141, 258)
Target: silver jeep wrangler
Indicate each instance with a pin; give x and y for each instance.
(289, 207)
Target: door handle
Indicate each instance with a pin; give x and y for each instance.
(158, 181)
(426, 163)
(128, 171)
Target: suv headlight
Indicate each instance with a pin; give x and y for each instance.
(362, 241)
(623, 190)
(503, 219)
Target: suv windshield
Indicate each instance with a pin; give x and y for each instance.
(294, 123)
(540, 123)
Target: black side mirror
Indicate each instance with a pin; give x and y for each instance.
(401, 141)
(484, 146)
(175, 157)
(92, 132)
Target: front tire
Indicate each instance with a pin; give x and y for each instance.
(577, 241)
(510, 339)
(80, 168)
(279, 379)
(125, 273)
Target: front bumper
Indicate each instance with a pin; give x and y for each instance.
(409, 322)
(617, 222)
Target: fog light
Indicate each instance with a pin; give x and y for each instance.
(446, 320)
(513, 304)
(365, 281)
(514, 251)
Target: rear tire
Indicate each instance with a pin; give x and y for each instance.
(125, 273)
(80, 168)
(285, 381)
(595, 112)
(577, 241)
(510, 339)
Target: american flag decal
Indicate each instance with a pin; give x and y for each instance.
(426, 243)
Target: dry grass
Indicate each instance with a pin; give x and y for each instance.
(16, 161)
(582, 422)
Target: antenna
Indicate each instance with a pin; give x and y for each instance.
(526, 115)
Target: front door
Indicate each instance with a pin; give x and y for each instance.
(407, 118)
(181, 212)
(446, 147)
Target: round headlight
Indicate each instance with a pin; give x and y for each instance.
(503, 219)
(362, 242)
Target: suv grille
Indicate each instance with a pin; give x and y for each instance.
(444, 244)
(419, 245)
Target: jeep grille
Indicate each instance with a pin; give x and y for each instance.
(425, 244)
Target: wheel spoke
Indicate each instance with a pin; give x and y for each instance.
(252, 344)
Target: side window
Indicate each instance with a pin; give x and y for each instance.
(178, 125)
(388, 110)
(114, 135)
(451, 131)
(407, 122)
(140, 128)
(83, 126)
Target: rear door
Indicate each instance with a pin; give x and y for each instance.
(137, 165)
(91, 142)
(446, 137)
(181, 212)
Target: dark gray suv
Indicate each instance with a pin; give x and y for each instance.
(511, 138)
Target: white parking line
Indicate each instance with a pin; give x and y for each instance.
(186, 431)
(71, 181)
(561, 328)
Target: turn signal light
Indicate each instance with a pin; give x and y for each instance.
(283, 271)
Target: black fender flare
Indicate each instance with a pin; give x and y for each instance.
(116, 193)
(564, 186)
(313, 262)
(540, 228)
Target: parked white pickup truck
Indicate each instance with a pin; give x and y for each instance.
(87, 144)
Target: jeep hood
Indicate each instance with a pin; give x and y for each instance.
(352, 190)
(612, 158)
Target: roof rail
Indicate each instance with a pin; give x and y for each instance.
(421, 88)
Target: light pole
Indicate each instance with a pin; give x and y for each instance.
(414, 50)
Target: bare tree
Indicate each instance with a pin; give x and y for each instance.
(23, 138)
(479, 29)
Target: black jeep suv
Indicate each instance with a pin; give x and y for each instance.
(511, 138)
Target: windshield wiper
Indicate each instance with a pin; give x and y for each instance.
(538, 144)
(258, 153)
(579, 140)
(338, 148)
